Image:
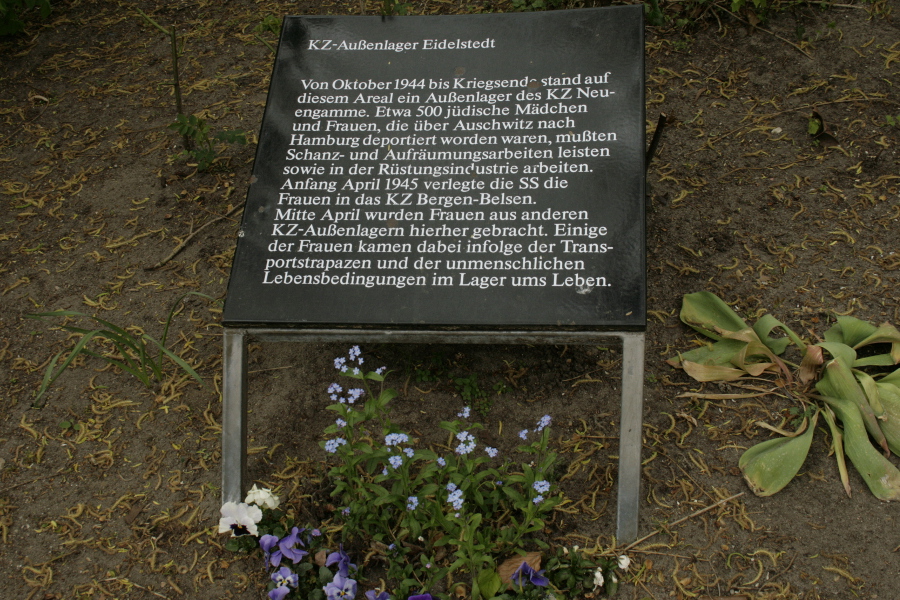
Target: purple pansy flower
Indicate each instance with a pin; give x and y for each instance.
(371, 595)
(340, 588)
(288, 543)
(526, 574)
(343, 561)
(284, 579)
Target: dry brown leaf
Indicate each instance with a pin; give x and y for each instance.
(321, 555)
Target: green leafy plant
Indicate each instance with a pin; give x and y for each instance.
(531, 5)
(141, 355)
(892, 120)
(271, 24)
(202, 149)
(11, 14)
(654, 13)
(850, 379)
(392, 7)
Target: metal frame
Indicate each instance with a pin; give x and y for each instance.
(234, 394)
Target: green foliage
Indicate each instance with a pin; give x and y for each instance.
(11, 12)
(392, 7)
(465, 504)
(654, 13)
(469, 389)
(531, 5)
(858, 386)
(892, 120)
(197, 130)
(270, 23)
(432, 517)
(143, 356)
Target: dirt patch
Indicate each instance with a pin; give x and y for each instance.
(745, 203)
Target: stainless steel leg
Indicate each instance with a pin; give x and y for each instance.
(234, 415)
(630, 437)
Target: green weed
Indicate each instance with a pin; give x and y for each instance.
(143, 356)
(202, 149)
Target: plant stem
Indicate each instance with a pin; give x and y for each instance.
(177, 84)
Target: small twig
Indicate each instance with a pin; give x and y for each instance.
(682, 520)
(186, 240)
(12, 487)
(818, 104)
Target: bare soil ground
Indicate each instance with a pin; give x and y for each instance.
(111, 490)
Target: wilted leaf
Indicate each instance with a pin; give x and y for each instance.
(711, 372)
(706, 313)
(812, 358)
(770, 465)
(716, 353)
(321, 557)
(509, 566)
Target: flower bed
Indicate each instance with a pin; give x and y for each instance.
(463, 523)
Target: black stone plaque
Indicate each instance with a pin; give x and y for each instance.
(482, 171)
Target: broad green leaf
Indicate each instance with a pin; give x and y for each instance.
(838, 382)
(489, 582)
(770, 465)
(839, 350)
(706, 313)
(850, 331)
(879, 360)
(884, 334)
(764, 327)
(882, 477)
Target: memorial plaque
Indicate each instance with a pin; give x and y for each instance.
(482, 171)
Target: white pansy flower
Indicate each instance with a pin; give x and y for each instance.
(263, 498)
(624, 562)
(239, 519)
(598, 577)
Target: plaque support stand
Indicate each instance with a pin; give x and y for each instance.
(234, 394)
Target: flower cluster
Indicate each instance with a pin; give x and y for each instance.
(455, 497)
(332, 445)
(466, 443)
